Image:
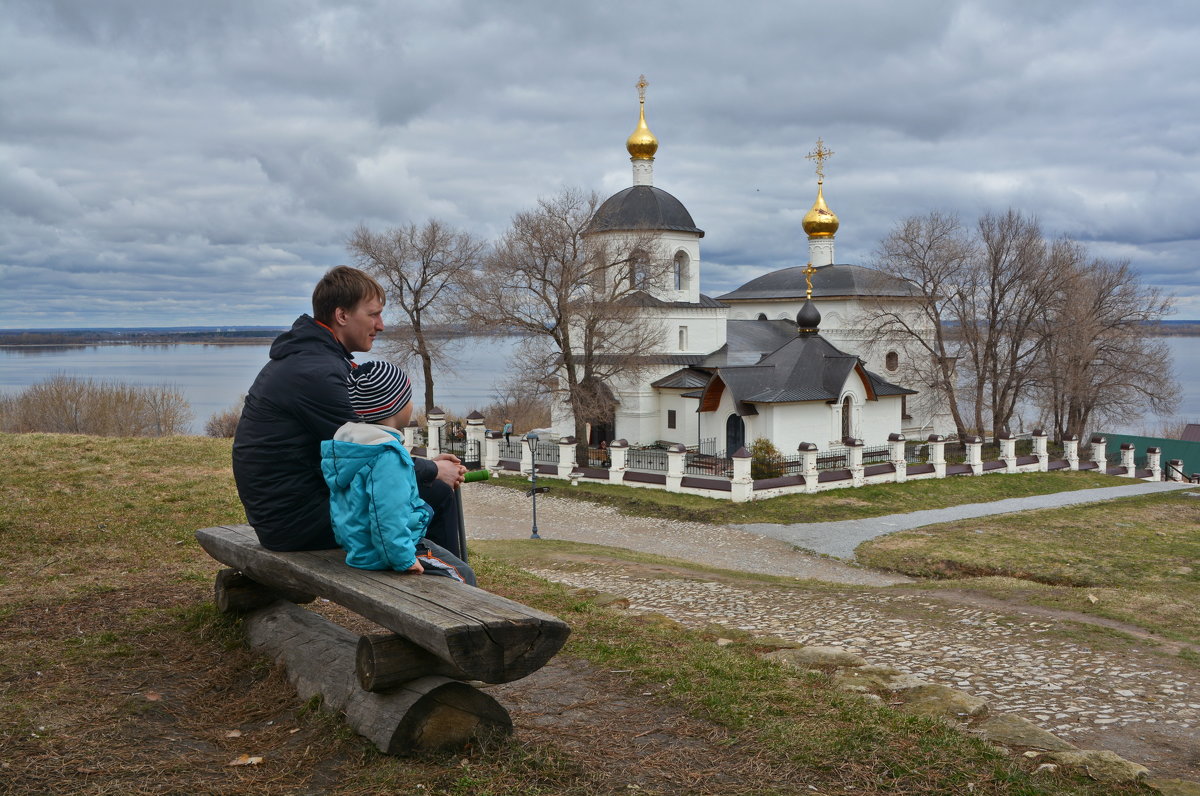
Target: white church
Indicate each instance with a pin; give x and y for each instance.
(787, 356)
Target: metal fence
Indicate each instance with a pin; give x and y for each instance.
(833, 459)
(707, 464)
(599, 457)
(468, 450)
(653, 459)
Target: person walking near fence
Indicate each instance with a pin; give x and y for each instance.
(508, 430)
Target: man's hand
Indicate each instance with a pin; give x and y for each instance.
(450, 469)
(416, 568)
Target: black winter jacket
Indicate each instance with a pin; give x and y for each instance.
(298, 399)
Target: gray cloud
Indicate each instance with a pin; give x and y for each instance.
(183, 163)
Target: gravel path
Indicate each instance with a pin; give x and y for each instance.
(497, 513)
(1133, 702)
(840, 538)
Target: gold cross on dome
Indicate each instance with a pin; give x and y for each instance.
(808, 272)
(641, 87)
(820, 155)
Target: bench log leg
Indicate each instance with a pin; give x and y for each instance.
(425, 714)
(236, 592)
(387, 660)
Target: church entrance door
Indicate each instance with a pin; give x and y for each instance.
(735, 434)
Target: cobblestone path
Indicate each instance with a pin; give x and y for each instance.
(1132, 701)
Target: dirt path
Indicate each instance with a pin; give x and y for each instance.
(1135, 701)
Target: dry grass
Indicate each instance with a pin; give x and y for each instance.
(85, 406)
(1135, 560)
(117, 676)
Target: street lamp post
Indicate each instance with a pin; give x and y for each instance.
(531, 439)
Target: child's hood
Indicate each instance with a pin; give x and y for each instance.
(355, 446)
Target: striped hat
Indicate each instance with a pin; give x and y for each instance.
(378, 389)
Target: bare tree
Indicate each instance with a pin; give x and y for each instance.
(577, 294)
(934, 253)
(1003, 305)
(984, 302)
(423, 270)
(1101, 362)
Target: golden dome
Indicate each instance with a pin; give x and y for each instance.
(820, 222)
(642, 144)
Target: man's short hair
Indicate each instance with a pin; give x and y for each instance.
(345, 287)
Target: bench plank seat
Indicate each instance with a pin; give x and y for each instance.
(485, 636)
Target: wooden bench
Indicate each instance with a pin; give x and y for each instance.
(406, 690)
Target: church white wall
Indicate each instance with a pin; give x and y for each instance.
(665, 246)
(788, 425)
(686, 420)
(703, 329)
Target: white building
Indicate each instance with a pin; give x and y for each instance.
(752, 363)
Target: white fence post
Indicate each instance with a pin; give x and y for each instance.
(896, 454)
(1154, 463)
(808, 466)
(410, 435)
(854, 460)
(937, 455)
(974, 445)
(1175, 468)
(1127, 454)
(433, 432)
(1008, 452)
(676, 456)
(1039, 449)
(1099, 454)
(743, 485)
(618, 454)
(566, 456)
(491, 450)
(1071, 451)
(528, 461)
(475, 429)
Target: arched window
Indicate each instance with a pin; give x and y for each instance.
(847, 410)
(762, 316)
(681, 270)
(735, 434)
(892, 361)
(639, 266)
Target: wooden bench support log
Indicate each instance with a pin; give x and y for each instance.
(235, 592)
(428, 713)
(386, 660)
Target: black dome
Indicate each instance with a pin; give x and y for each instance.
(643, 207)
(808, 318)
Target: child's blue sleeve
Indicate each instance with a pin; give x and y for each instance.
(399, 517)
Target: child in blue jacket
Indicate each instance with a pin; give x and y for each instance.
(377, 515)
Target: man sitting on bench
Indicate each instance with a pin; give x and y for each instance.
(299, 399)
(378, 517)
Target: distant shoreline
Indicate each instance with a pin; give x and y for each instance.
(34, 338)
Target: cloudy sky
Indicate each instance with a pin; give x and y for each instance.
(180, 163)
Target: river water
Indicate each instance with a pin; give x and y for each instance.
(213, 377)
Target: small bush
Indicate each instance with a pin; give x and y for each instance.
(765, 459)
(224, 423)
(68, 405)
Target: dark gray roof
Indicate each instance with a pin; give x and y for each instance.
(684, 379)
(746, 342)
(643, 207)
(1191, 433)
(829, 281)
(652, 359)
(644, 299)
(807, 368)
